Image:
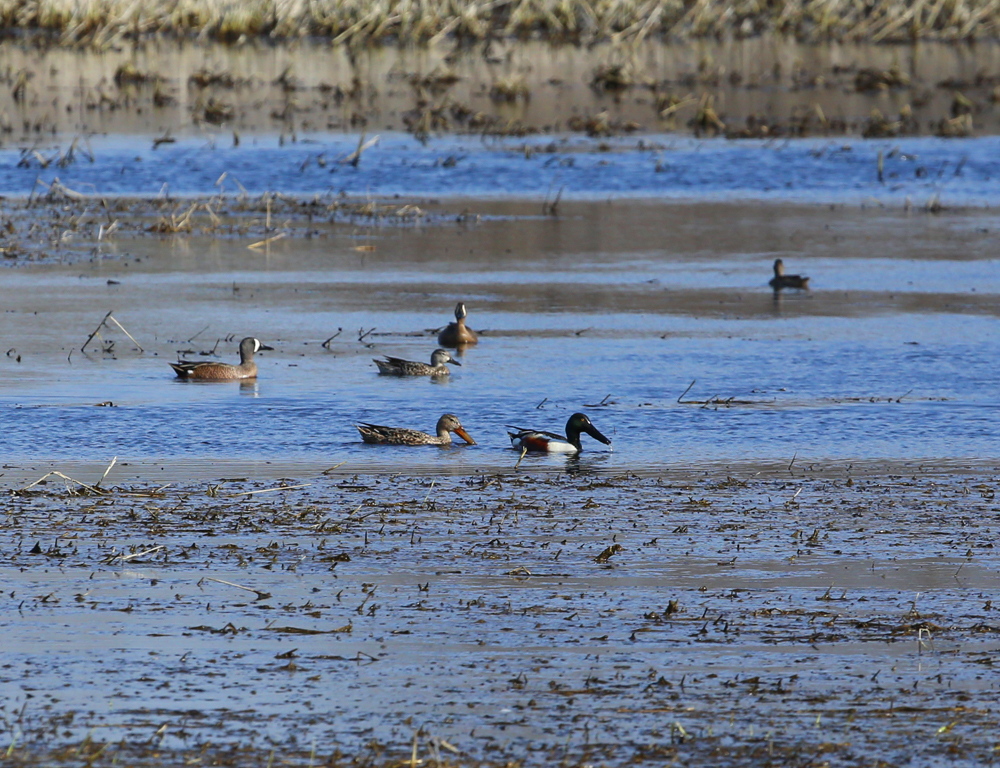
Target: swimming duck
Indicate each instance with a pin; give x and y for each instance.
(209, 371)
(781, 280)
(534, 440)
(456, 333)
(394, 366)
(374, 433)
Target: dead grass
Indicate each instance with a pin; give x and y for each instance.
(103, 23)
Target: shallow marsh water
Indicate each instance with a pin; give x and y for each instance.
(612, 308)
(846, 460)
(917, 172)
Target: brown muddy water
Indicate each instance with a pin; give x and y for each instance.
(758, 87)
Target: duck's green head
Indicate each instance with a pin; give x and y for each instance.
(579, 422)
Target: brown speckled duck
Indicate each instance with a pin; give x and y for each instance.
(457, 334)
(395, 366)
(375, 433)
(781, 280)
(210, 371)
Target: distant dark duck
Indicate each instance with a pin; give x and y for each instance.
(457, 333)
(781, 280)
(394, 366)
(375, 433)
(549, 442)
(208, 371)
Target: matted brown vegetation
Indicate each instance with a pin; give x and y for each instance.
(359, 22)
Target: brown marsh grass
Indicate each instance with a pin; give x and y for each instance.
(362, 22)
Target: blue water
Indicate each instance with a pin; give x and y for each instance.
(583, 312)
(958, 171)
(822, 389)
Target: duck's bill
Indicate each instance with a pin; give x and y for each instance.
(594, 433)
(264, 346)
(453, 361)
(464, 435)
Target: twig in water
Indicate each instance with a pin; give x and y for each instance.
(335, 466)
(900, 398)
(362, 333)
(90, 488)
(269, 490)
(125, 558)
(103, 324)
(326, 344)
(524, 452)
(681, 398)
(113, 462)
(539, 406)
(792, 461)
(261, 595)
(355, 157)
(268, 240)
(196, 335)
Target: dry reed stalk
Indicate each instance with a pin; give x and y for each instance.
(103, 324)
(91, 488)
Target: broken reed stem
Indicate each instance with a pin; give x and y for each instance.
(113, 462)
(268, 240)
(103, 324)
(681, 398)
(125, 558)
(47, 475)
(524, 452)
(269, 490)
(96, 331)
(261, 595)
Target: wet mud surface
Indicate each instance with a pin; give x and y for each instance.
(744, 618)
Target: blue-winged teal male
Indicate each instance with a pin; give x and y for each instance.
(457, 334)
(209, 371)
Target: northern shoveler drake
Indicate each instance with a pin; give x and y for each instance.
(374, 433)
(457, 334)
(549, 442)
(394, 366)
(781, 280)
(209, 371)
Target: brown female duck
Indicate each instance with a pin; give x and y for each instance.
(375, 433)
(395, 366)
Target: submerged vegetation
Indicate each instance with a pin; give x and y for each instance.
(361, 22)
